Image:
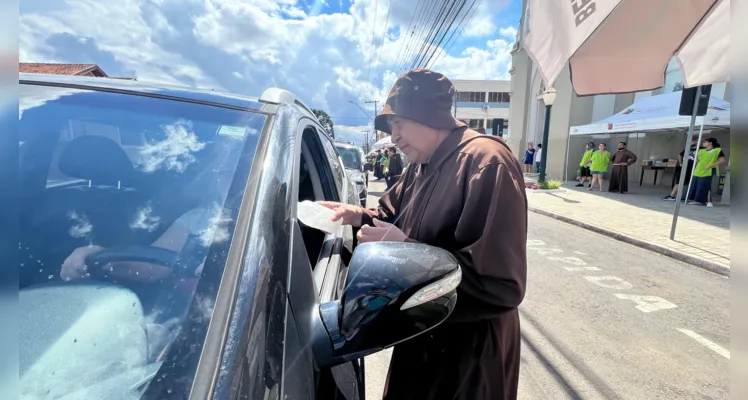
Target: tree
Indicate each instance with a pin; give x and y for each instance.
(326, 121)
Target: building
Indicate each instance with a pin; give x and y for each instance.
(479, 102)
(66, 69)
(563, 152)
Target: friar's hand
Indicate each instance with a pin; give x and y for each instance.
(380, 232)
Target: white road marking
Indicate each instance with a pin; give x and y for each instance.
(647, 303)
(619, 284)
(569, 260)
(580, 253)
(534, 242)
(706, 343)
(573, 269)
(544, 252)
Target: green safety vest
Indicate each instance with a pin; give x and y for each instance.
(600, 161)
(704, 158)
(586, 158)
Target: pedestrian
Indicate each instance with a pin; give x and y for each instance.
(599, 166)
(385, 162)
(708, 160)
(679, 169)
(378, 165)
(395, 169)
(529, 158)
(465, 193)
(584, 165)
(538, 157)
(622, 160)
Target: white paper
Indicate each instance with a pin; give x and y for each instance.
(316, 216)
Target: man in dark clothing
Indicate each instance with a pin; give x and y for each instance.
(396, 168)
(378, 165)
(684, 169)
(464, 193)
(619, 177)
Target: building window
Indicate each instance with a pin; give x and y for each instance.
(471, 97)
(498, 97)
(475, 123)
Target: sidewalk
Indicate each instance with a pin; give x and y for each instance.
(641, 218)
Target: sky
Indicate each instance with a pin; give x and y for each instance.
(330, 53)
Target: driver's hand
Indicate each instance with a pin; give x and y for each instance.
(74, 267)
(346, 213)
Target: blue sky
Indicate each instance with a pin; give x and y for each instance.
(322, 50)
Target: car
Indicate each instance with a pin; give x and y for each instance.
(352, 157)
(162, 255)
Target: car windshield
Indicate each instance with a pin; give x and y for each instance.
(351, 157)
(129, 205)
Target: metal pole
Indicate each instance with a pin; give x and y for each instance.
(695, 156)
(544, 154)
(685, 151)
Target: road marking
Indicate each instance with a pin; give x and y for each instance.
(573, 269)
(600, 281)
(569, 260)
(544, 252)
(647, 303)
(534, 242)
(706, 343)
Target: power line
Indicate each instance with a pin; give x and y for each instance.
(428, 36)
(410, 24)
(445, 33)
(418, 35)
(384, 36)
(371, 46)
(448, 45)
(413, 34)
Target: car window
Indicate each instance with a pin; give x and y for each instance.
(129, 202)
(351, 157)
(334, 162)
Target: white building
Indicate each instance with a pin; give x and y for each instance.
(527, 117)
(478, 103)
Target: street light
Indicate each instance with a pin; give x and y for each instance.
(549, 97)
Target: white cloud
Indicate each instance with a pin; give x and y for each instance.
(246, 46)
(509, 32)
(172, 153)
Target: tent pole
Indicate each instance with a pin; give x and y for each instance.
(685, 151)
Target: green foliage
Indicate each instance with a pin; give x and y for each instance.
(549, 184)
(326, 121)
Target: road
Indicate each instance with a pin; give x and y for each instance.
(605, 320)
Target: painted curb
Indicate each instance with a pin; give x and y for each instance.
(710, 266)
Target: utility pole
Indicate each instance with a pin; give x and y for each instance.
(375, 102)
(366, 140)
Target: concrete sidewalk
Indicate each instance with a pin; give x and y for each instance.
(642, 219)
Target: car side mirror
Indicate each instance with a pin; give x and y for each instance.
(368, 167)
(393, 292)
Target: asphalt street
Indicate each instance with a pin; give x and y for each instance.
(606, 320)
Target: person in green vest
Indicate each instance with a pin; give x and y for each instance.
(584, 167)
(708, 160)
(385, 162)
(599, 165)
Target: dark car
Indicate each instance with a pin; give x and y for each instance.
(161, 255)
(353, 161)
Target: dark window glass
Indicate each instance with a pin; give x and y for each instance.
(145, 177)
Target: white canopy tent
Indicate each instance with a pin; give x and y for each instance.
(382, 143)
(656, 113)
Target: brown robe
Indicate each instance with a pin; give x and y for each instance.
(619, 177)
(471, 201)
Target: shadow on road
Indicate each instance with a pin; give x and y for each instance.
(573, 361)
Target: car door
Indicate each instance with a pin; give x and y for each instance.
(319, 278)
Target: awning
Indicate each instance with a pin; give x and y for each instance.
(382, 143)
(657, 113)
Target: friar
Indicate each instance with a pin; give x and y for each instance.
(463, 192)
(619, 178)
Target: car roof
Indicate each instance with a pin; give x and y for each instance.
(145, 88)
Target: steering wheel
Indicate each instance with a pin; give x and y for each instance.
(146, 254)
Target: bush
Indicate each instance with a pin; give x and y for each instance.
(550, 184)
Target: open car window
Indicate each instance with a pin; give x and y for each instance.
(128, 203)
